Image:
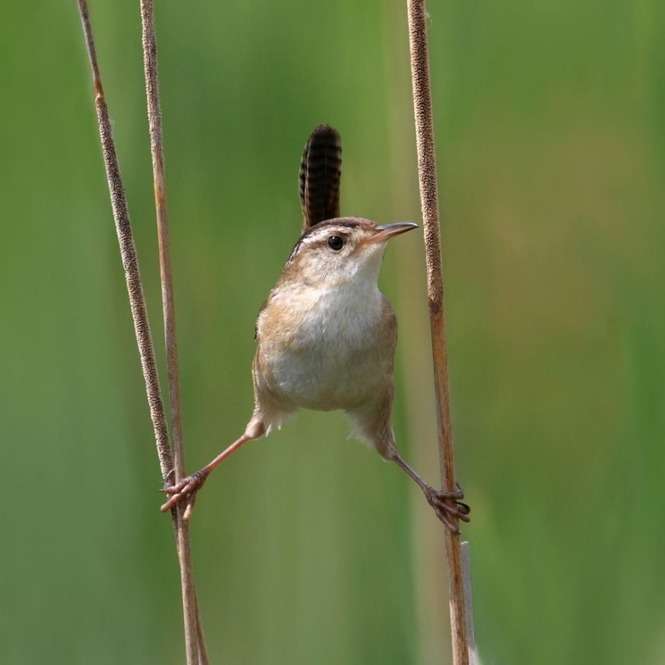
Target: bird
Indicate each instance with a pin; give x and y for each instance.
(326, 335)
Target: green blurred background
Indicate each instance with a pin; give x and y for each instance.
(309, 549)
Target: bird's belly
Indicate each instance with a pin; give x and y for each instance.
(326, 380)
(325, 349)
(329, 362)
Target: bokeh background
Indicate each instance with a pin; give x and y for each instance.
(309, 549)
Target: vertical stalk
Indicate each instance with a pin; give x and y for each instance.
(429, 576)
(427, 175)
(193, 632)
(130, 261)
(135, 294)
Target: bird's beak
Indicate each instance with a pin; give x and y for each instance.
(387, 231)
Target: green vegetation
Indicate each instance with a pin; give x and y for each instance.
(309, 549)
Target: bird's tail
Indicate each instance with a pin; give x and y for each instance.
(320, 173)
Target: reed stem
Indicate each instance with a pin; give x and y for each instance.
(429, 197)
(141, 323)
(194, 642)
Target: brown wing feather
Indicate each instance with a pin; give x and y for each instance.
(320, 173)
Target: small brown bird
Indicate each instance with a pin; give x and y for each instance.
(326, 335)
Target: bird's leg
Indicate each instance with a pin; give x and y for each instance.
(448, 506)
(188, 487)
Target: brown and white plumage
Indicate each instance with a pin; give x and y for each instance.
(326, 336)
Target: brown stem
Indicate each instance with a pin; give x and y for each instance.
(427, 175)
(196, 651)
(130, 261)
(136, 298)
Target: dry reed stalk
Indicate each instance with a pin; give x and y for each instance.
(130, 265)
(194, 641)
(427, 176)
(128, 253)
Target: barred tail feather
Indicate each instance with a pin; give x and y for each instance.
(320, 173)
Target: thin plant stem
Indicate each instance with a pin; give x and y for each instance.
(134, 290)
(150, 68)
(427, 176)
(130, 261)
(193, 631)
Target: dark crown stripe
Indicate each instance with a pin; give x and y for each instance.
(341, 222)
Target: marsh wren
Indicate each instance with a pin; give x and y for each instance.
(326, 335)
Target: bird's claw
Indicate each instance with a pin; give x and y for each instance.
(184, 489)
(449, 507)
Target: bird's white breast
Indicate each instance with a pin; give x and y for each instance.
(329, 354)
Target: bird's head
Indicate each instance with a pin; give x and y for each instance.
(341, 250)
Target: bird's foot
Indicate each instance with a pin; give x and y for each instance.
(449, 507)
(185, 489)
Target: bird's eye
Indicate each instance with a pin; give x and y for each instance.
(336, 242)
